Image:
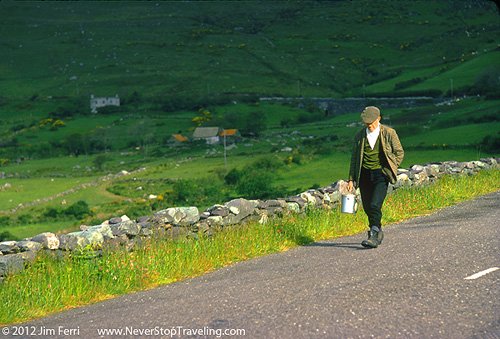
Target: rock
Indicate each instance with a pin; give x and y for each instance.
(240, 209)
(417, 168)
(146, 232)
(310, 200)
(179, 216)
(48, 240)
(73, 241)
(144, 219)
(432, 170)
(293, 207)
(10, 264)
(104, 229)
(298, 200)
(145, 224)
(218, 210)
(215, 220)
(9, 247)
(27, 245)
(115, 220)
(479, 164)
(129, 227)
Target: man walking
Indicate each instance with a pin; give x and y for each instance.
(376, 155)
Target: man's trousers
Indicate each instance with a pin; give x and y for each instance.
(373, 186)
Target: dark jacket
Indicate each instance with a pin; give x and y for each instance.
(391, 147)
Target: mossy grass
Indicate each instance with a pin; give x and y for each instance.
(52, 284)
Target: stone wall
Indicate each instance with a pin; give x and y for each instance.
(176, 222)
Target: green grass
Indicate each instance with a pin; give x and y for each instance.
(28, 190)
(454, 135)
(29, 230)
(206, 48)
(50, 285)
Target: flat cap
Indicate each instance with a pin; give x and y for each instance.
(370, 114)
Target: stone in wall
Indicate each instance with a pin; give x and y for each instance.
(9, 247)
(48, 240)
(181, 216)
(239, 210)
(128, 227)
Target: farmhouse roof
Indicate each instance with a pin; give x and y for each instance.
(179, 137)
(205, 132)
(228, 132)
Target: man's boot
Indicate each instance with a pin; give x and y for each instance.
(375, 237)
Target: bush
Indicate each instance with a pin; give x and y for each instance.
(197, 192)
(5, 235)
(491, 143)
(79, 210)
(52, 213)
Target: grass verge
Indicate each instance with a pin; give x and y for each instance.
(53, 284)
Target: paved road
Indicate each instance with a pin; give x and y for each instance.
(412, 286)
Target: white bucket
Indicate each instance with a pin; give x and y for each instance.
(349, 204)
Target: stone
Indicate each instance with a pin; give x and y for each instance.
(218, 210)
(479, 164)
(104, 229)
(27, 245)
(293, 207)
(432, 170)
(244, 208)
(115, 220)
(146, 232)
(143, 219)
(234, 210)
(298, 200)
(270, 203)
(48, 240)
(271, 211)
(179, 216)
(9, 247)
(73, 241)
(129, 227)
(417, 168)
(215, 220)
(11, 264)
(310, 199)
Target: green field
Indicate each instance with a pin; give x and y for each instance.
(171, 61)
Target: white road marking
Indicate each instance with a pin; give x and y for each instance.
(480, 274)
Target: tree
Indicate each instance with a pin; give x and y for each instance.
(74, 144)
(99, 161)
(255, 123)
(203, 117)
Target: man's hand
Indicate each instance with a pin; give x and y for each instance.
(350, 185)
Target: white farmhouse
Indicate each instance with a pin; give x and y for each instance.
(209, 134)
(96, 102)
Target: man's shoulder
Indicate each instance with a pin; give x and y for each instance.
(360, 134)
(387, 130)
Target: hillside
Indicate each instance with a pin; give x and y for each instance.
(193, 49)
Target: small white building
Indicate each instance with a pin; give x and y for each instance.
(96, 102)
(209, 134)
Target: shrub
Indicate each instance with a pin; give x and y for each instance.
(5, 235)
(79, 210)
(197, 192)
(100, 160)
(52, 213)
(491, 143)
